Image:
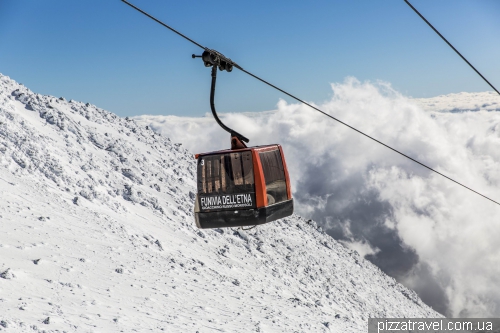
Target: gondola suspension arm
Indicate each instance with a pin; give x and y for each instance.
(228, 67)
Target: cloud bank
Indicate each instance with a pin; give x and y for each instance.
(429, 233)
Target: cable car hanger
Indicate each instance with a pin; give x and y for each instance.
(223, 59)
(216, 60)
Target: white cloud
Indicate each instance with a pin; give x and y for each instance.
(414, 224)
(362, 247)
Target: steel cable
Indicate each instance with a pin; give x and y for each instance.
(449, 44)
(324, 113)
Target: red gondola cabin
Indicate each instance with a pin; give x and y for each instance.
(242, 187)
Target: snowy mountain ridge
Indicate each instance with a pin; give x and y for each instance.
(98, 236)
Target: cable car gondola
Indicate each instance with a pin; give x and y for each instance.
(241, 186)
(228, 196)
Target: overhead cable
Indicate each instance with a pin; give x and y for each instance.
(449, 44)
(312, 106)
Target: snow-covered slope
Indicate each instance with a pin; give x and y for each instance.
(98, 236)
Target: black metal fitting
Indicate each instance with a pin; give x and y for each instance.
(213, 58)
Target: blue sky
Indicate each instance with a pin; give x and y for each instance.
(106, 53)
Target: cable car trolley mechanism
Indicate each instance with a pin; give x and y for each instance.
(241, 186)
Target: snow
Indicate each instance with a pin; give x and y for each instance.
(98, 235)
